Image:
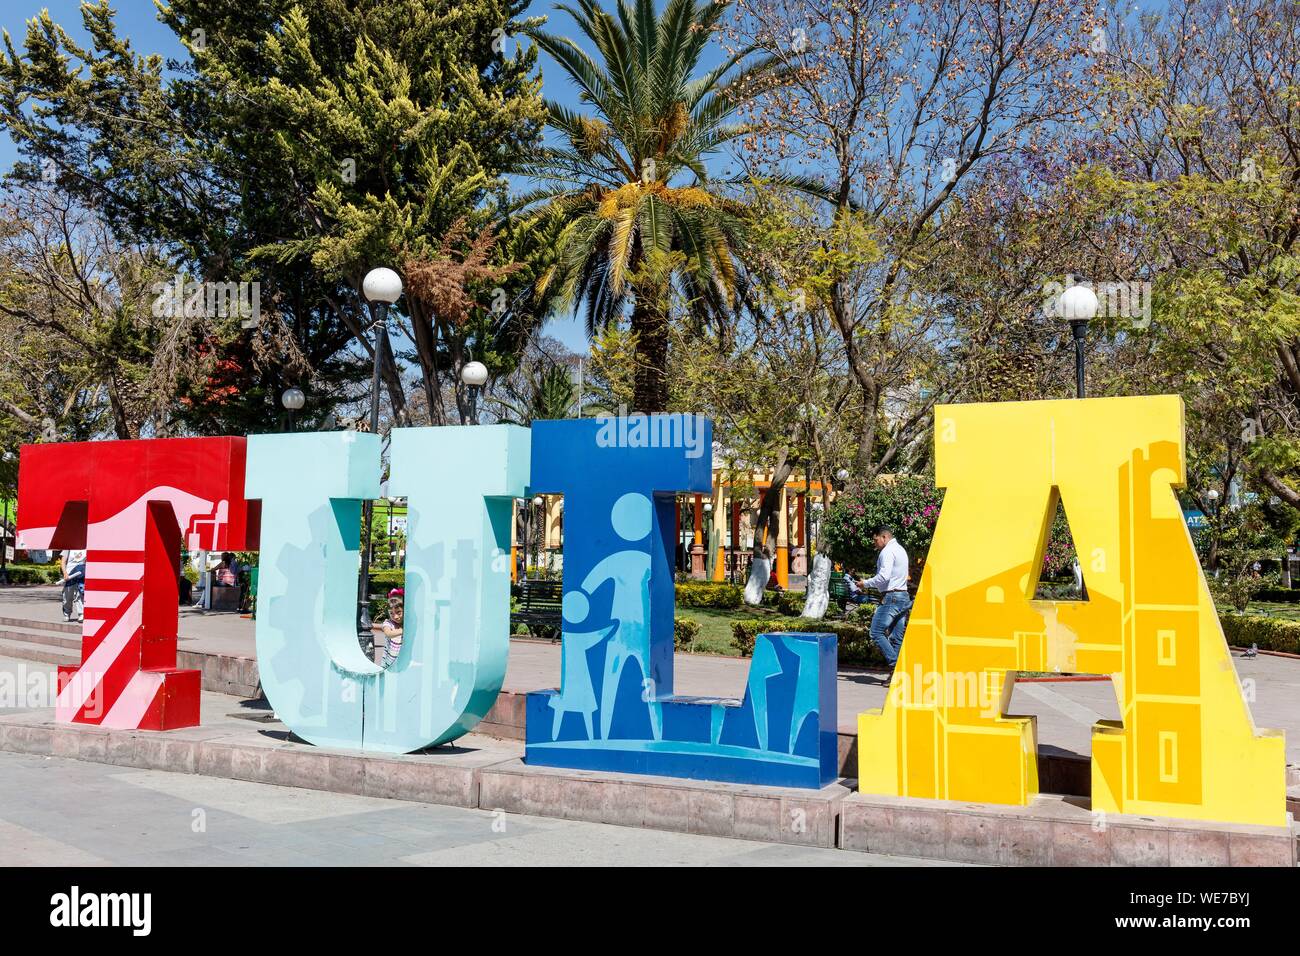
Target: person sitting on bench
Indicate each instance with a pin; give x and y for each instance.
(854, 592)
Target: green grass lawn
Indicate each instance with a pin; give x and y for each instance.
(715, 625)
(1290, 612)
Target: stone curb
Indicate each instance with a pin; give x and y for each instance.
(1052, 831)
(448, 779)
(769, 814)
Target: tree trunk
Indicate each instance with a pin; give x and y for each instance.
(393, 382)
(771, 497)
(426, 344)
(650, 323)
(1280, 488)
(760, 566)
(760, 571)
(818, 594)
(120, 424)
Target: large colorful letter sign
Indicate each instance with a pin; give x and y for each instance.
(459, 483)
(128, 503)
(1185, 745)
(615, 709)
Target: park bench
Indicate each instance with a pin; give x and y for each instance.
(839, 592)
(539, 607)
(839, 596)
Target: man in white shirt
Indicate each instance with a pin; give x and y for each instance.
(889, 622)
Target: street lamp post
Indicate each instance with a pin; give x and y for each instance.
(4, 545)
(1079, 305)
(475, 376)
(4, 532)
(539, 503)
(292, 399)
(381, 287)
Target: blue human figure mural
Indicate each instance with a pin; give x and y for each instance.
(616, 657)
(577, 690)
(629, 572)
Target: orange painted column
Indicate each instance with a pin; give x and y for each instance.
(801, 533)
(720, 559)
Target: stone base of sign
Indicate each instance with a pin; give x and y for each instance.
(1059, 771)
(223, 674)
(1052, 831)
(448, 776)
(770, 814)
(60, 644)
(488, 774)
(507, 719)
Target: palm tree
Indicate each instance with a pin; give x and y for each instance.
(548, 393)
(641, 221)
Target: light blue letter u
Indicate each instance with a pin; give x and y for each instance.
(459, 482)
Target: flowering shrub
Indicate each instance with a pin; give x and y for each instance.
(1058, 556)
(910, 505)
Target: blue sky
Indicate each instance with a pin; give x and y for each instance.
(137, 20)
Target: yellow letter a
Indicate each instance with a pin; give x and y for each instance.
(1186, 745)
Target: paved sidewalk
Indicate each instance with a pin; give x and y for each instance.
(1065, 710)
(96, 814)
(92, 814)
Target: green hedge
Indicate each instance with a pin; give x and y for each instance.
(34, 573)
(855, 645)
(857, 648)
(789, 603)
(685, 631)
(1267, 633)
(1280, 595)
(381, 582)
(721, 595)
(710, 594)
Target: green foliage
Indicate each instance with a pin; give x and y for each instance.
(298, 146)
(1059, 554)
(544, 573)
(551, 394)
(1267, 633)
(910, 504)
(34, 573)
(1234, 591)
(612, 373)
(907, 503)
(789, 603)
(685, 631)
(855, 645)
(628, 231)
(1235, 540)
(381, 582)
(710, 594)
